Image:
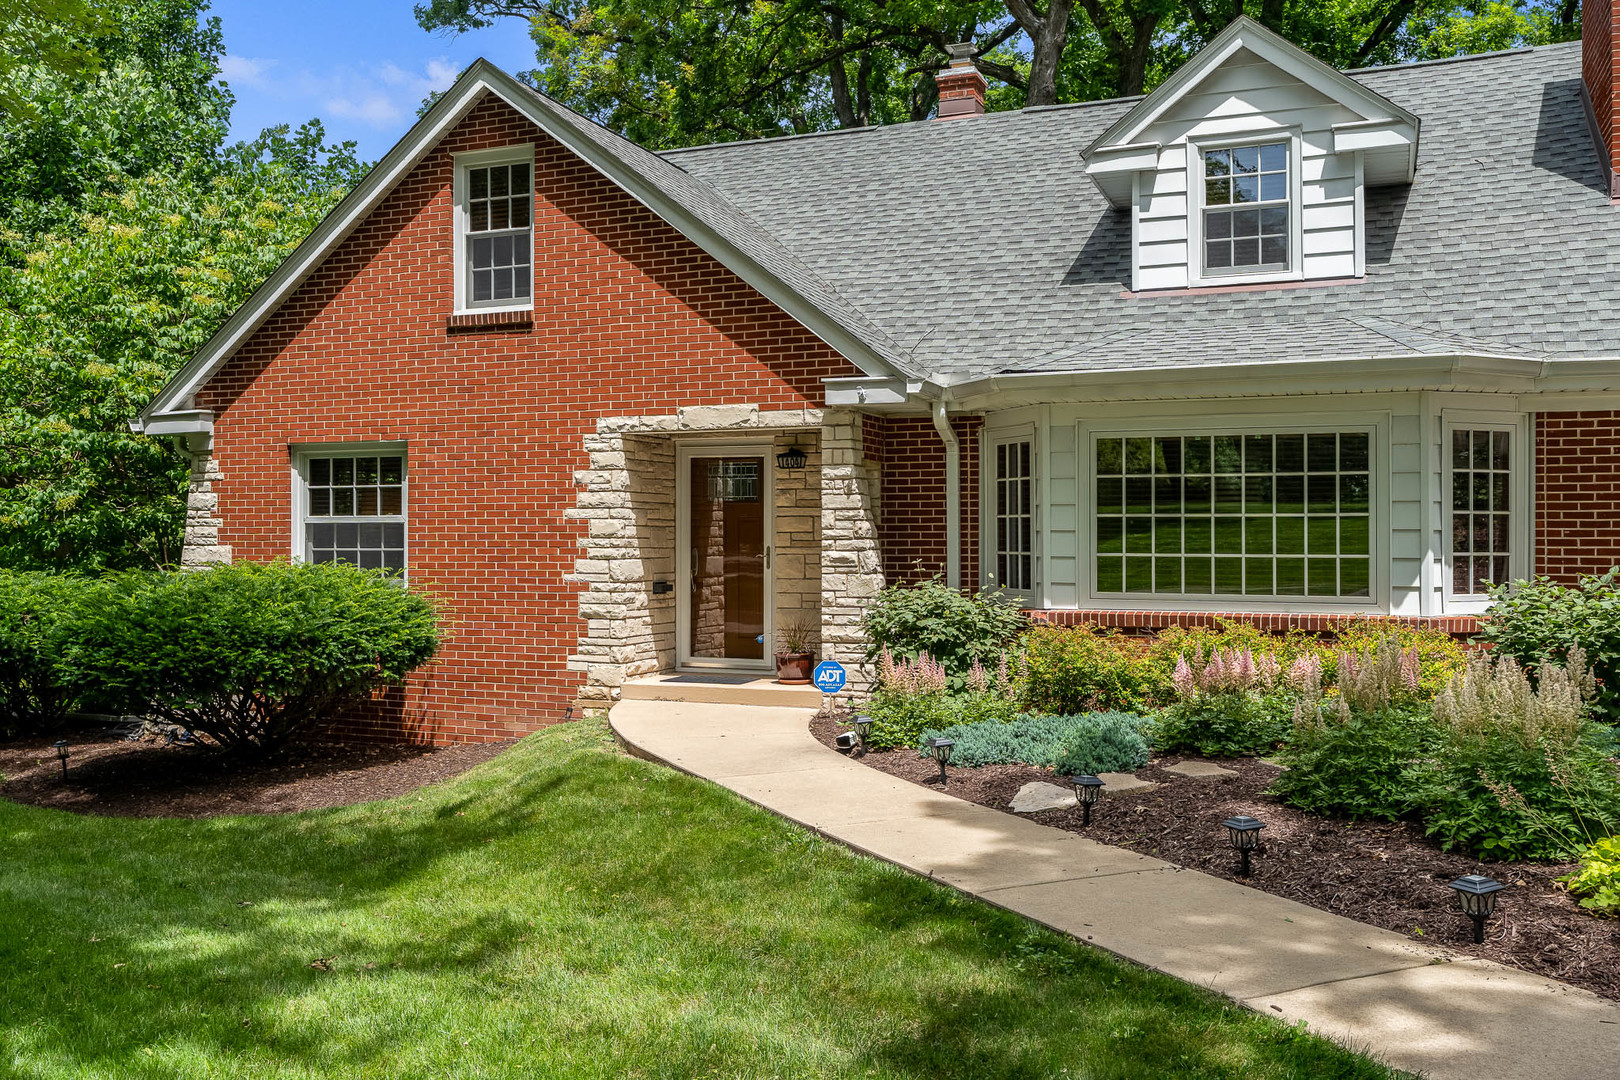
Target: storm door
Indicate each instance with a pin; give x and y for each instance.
(725, 519)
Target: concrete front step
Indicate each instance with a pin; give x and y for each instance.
(718, 689)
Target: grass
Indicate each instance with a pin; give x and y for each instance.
(561, 911)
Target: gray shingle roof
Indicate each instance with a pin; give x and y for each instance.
(980, 246)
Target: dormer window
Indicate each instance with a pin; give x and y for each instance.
(1246, 208)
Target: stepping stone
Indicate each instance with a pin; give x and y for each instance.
(1038, 795)
(1121, 782)
(1199, 769)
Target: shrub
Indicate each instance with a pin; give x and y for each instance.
(1228, 705)
(1042, 740)
(33, 611)
(247, 654)
(1354, 762)
(1516, 772)
(1437, 656)
(1070, 670)
(1539, 620)
(952, 628)
(1598, 880)
(1103, 742)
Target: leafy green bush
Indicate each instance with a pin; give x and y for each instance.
(1071, 670)
(1103, 742)
(1233, 724)
(1537, 620)
(1354, 762)
(33, 607)
(899, 718)
(246, 654)
(952, 628)
(1516, 772)
(1043, 740)
(1598, 880)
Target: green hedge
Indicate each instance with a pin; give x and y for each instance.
(245, 655)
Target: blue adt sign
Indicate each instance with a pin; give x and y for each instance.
(829, 677)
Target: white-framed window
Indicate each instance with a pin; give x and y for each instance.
(1273, 515)
(1486, 522)
(1012, 513)
(351, 506)
(1244, 204)
(494, 193)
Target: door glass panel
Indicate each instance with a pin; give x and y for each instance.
(728, 557)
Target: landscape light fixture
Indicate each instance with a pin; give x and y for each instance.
(61, 755)
(940, 751)
(1244, 833)
(791, 459)
(863, 728)
(1087, 790)
(1477, 895)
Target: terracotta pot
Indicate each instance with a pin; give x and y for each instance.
(794, 667)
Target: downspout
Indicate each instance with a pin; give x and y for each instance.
(953, 496)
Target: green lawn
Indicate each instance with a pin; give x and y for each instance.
(560, 911)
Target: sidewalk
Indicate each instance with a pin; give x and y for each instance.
(1416, 1007)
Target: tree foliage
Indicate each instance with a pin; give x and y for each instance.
(133, 233)
(671, 73)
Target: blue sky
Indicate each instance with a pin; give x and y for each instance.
(362, 66)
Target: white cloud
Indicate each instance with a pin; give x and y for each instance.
(245, 71)
(375, 109)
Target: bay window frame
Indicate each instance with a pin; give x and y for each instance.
(1520, 460)
(989, 550)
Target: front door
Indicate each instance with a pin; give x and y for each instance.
(726, 517)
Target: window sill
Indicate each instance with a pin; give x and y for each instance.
(522, 319)
(1206, 288)
(1312, 622)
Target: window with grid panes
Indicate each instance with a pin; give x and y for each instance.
(1269, 516)
(498, 235)
(1246, 212)
(354, 510)
(1015, 515)
(1480, 511)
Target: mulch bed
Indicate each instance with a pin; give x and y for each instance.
(149, 777)
(1385, 874)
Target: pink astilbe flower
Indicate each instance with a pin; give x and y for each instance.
(1305, 676)
(1411, 670)
(1004, 682)
(1268, 669)
(1243, 671)
(978, 678)
(1186, 685)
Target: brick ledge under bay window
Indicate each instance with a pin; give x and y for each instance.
(479, 320)
(1455, 625)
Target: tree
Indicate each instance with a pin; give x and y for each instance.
(44, 35)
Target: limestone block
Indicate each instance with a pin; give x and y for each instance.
(704, 417)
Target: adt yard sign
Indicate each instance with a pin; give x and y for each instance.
(829, 678)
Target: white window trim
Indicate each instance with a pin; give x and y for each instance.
(300, 455)
(1377, 424)
(516, 154)
(1029, 433)
(1196, 278)
(1519, 464)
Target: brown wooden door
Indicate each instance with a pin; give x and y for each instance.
(728, 557)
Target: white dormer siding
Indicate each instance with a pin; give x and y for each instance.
(1250, 100)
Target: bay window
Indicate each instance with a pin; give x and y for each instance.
(1482, 512)
(1269, 516)
(1013, 514)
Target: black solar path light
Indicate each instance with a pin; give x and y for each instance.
(863, 728)
(1244, 833)
(1087, 790)
(62, 754)
(940, 751)
(1476, 893)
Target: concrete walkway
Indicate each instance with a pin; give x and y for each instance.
(1419, 1008)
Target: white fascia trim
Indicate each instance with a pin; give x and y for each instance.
(1385, 134)
(1245, 33)
(407, 153)
(867, 392)
(1498, 374)
(190, 422)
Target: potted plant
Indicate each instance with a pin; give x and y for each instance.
(796, 658)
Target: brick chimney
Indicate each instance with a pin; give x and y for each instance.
(1600, 56)
(961, 87)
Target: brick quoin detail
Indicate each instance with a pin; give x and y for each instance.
(629, 318)
(912, 527)
(1577, 494)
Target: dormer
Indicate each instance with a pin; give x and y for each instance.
(1249, 165)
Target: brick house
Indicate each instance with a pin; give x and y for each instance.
(1274, 341)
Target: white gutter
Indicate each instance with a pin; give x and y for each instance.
(953, 496)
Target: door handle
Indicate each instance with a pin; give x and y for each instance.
(767, 556)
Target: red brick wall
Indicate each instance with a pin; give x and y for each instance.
(912, 532)
(1600, 52)
(1577, 493)
(629, 318)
